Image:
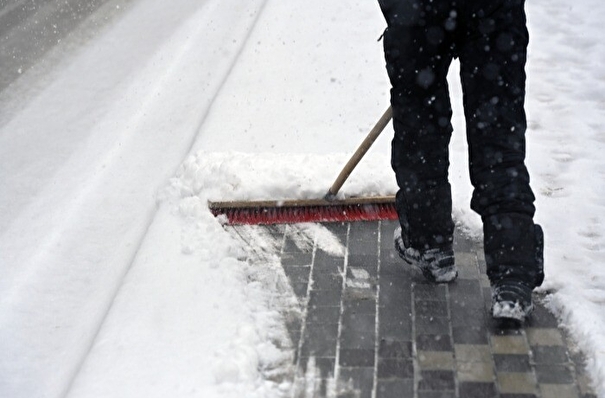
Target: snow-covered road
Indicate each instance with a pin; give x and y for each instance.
(116, 281)
(82, 164)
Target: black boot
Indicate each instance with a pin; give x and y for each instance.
(437, 264)
(514, 254)
(511, 300)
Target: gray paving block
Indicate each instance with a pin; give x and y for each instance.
(554, 374)
(467, 271)
(357, 381)
(549, 354)
(477, 390)
(395, 290)
(350, 394)
(545, 337)
(360, 292)
(394, 349)
(436, 394)
(324, 366)
(358, 332)
(512, 363)
(469, 335)
(559, 391)
(327, 281)
(394, 307)
(463, 243)
(435, 360)
(432, 325)
(364, 263)
(363, 239)
(541, 317)
(393, 313)
(297, 274)
(324, 298)
(477, 372)
(359, 306)
(324, 258)
(392, 265)
(357, 247)
(363, 321)
(434, 343)
(327, 268)
(516, 383)
(300, 289)
(511, 344)
(468, 290)
(395, 368)
(430, 308)
(397, 388)
(330, 315)
(469, 302)
(518, 396)
(429, 291)
(319, 340)
(395, 330)
(356, 357)
(469, 316)
(436, 380)
(364, 230)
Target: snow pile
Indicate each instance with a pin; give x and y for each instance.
(566, 142)
(227, 176)
(195, 316)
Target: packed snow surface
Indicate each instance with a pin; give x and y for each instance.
(116, 280)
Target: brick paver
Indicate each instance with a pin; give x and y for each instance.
(371, 326)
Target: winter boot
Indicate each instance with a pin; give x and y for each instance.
(437, 265)
(511, 300)
(512, 285)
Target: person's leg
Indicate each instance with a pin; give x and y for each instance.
(419, 47)
(418, 52)
(493, 48)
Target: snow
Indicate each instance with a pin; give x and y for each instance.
(116, 281)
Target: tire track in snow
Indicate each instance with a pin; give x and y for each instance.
(71, 248)
(245, 41)
(152, 215)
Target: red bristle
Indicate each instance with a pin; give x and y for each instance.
(288, 215)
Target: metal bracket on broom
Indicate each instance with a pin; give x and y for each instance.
(327, 209)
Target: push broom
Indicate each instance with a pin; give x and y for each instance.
(327, 209)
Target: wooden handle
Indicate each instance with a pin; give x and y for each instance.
(361, 151)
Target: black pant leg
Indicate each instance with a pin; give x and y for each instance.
(492, 58)
(493, 51)
(418, 51)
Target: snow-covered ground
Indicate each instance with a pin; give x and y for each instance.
(117, 282)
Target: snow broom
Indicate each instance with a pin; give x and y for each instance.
(327, 209)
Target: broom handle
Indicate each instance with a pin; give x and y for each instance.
(361, 151)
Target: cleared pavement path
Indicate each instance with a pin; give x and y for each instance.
(383, 331)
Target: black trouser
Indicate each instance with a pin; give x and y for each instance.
(490, 38)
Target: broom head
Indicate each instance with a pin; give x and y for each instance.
(298, 211)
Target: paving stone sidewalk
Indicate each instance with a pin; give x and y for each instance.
(374, 327)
